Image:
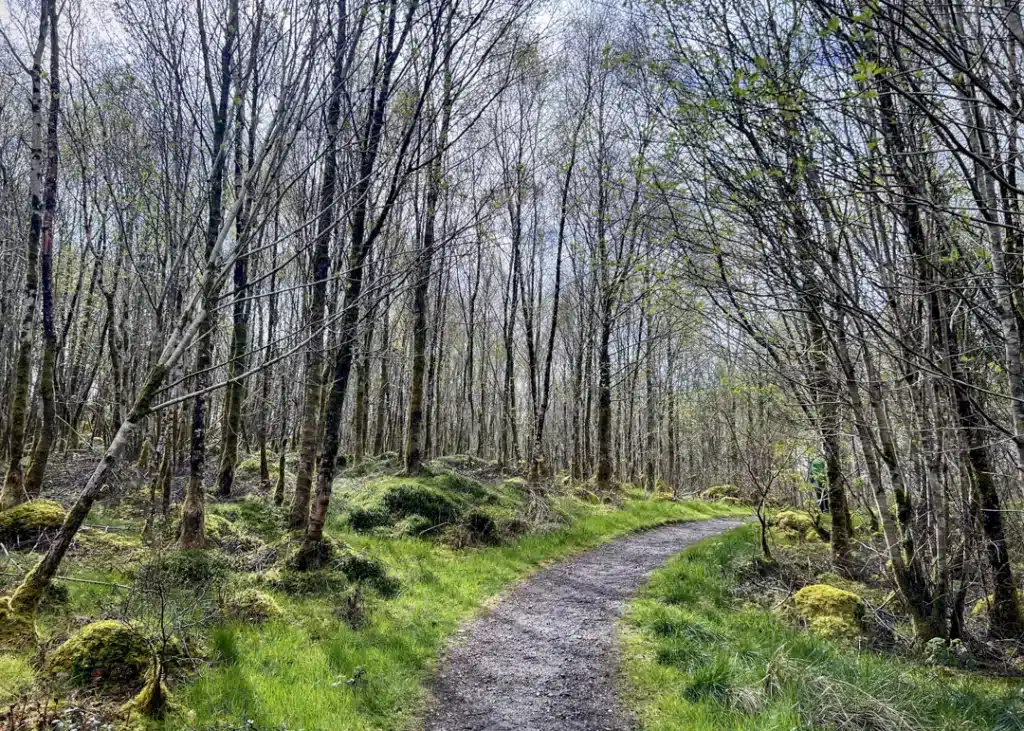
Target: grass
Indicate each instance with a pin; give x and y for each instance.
(697, 658)
(311, 671)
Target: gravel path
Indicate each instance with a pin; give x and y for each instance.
(544, 658)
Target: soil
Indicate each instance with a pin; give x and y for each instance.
(544, 659)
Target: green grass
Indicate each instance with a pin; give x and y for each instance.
(696, 658)
(15, 676)
(310, 671)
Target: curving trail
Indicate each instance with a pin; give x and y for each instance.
(544, 659)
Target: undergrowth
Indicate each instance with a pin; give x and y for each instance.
(313, 670)
(699, 658)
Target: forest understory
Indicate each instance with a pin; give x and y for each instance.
(358, 310)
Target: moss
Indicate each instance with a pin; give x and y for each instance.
(414, 526)
(719, 492)
(791, 520)
(145, 454)
(26, 522)
(306, 583)
(981, 606)
(194, 568)
(252, 606)
(366, 519)
(796, 526)
(106, 651)
(829, 611)
(419, 498)
(364, 569)
(153, 700)
(16, 629)
(223, 533)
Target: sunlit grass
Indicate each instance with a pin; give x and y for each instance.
(311, 671)
(697, 659)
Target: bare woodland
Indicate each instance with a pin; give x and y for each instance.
(668, 244)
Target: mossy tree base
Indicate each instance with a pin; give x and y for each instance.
(16, 628)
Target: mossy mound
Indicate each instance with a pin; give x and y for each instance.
(192, 568)
(102, 652)
(434, 500)
(225, 535)
(796, 525)
(418, 498)
(16, 630)
(364, 569)
(829, 611)
(315, 582)
(26, 522)
(720, 492)
(252, 606)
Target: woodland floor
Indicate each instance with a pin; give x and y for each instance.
(544, 658)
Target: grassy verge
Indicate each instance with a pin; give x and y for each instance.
(311, 671)
(697, 658)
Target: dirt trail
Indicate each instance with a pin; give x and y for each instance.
(544, 659)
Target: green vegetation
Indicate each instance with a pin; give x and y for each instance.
(829, 611)
(311, 669)
(105, 651)
(699, 657)
(15, 677)
(25, 522)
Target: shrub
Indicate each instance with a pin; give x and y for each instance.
(26, 522)
(107, 651)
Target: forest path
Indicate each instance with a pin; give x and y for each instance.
(544, 659)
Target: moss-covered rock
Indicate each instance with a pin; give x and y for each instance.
(796, 526)
(26, 522)
(102, 652)
(829, 611)
(718, 492)
(253, 606)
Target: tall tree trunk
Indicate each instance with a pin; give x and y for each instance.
(14, 488)
(192, 533)
(47, 374)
